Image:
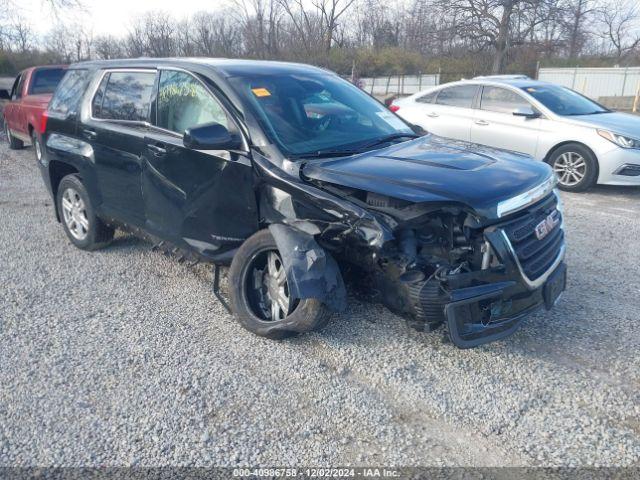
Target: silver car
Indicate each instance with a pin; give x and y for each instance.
(583, 141)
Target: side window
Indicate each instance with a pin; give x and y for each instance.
(460, 96)
(124, 96)
(428, 98)
(16, 90)
(501, 100)
(183, 102)
(69, 92)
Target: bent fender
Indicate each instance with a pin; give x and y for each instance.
(311, 271)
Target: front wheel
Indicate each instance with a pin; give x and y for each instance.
(575, 166)
(260, 296)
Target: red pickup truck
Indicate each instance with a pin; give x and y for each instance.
(28, 99)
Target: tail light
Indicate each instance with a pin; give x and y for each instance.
(43, 122)
(394, 108)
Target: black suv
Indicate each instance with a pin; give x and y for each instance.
(299, 180)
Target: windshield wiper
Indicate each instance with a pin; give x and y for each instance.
(343, 152)
(578, 114)
(326, 153)
(387, 139)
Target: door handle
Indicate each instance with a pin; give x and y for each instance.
(88, 133)
(481, 122)
(432, 114)
(157, 150)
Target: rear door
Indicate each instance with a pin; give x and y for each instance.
(116, 129)
(418, 110)
(203, 199)
(495, 124)
(451, 113)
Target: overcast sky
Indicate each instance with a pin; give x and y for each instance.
(110, 16)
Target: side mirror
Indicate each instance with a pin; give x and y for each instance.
(418, 130)
(526, 112)
(210, 136)
(4, 95)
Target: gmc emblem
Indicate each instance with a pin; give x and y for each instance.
(545, 226)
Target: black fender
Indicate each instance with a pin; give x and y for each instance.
(311, 271)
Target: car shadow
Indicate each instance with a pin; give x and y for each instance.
(615, 190)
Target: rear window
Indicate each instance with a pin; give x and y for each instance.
(428, 98)
(46, 80)
(69, 92)
(124, 96)
(461, 96)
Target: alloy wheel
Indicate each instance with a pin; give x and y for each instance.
(269, 288)
(74, 213)
(37, 147)
(571, 168)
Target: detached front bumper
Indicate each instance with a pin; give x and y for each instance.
(490, 304)
(489, 312)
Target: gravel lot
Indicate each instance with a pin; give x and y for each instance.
(124, 357)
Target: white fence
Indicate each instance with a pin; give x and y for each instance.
(595, 82)
(399, 84)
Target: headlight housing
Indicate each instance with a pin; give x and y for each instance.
(527, 198)
(620, 140)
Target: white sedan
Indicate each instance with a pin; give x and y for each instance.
(583, 141)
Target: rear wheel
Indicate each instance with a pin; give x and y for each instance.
(80, 223)
(37, 146)
(14, 143)
(260, 296)
(575, 166)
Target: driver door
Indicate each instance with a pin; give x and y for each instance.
(496, 126)
(194, 198)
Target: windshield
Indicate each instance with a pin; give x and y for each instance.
(314, 114)
(562, 101)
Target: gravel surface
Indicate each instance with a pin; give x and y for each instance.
(124, 357)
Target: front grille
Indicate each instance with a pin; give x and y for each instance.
(536, 256)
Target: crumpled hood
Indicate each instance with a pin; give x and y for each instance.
(435, 169)
(622, 123)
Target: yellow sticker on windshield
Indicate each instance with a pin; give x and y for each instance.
(261, 92)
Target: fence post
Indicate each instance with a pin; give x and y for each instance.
(575, 75)
(635, 100)
(419, 81)
(624, 81)
(386, 92)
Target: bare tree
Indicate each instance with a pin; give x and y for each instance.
(620, 26)
(154, 34)
(577, 14)
(316, 23)
(260, 21)
(107, 47)
(499, 24)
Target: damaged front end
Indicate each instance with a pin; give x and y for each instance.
(434, 263)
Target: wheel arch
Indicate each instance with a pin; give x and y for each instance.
(57, 171)
(553, 149)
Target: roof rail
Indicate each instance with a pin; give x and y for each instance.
(503, 77)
